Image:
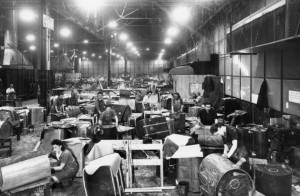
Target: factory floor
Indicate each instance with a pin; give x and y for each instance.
(145, 176)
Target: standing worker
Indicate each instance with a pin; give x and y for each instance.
(10, 92)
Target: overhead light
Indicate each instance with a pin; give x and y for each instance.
(84, 52)
(106, 51)
(147, 49)
(85, 41)
(27, 15)
(168, 41)
(65, 32)
(118, 55)
(100, 57)
(112, 24)
(90, 5)
(181, 14)
(30, 37)
(56, 45)
(93, 55)
(163, 50)
(172, 31)
(123, 37)
(65, 54)
(75, 56)
(129, 44)
(51, 51)
(32, 47)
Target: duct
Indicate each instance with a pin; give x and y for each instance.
(12, 56)
(182, 70)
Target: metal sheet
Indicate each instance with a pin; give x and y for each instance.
(25, 172)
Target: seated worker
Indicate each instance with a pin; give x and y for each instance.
(208, 115)
(107, 117)
(74, 97)
(177, 103)
(99, 104)
(10, 92)
(67, 166)
(146, 103)
(199, 99)
(138, 102)
(177, 115)
(233, 146)
(58, 105)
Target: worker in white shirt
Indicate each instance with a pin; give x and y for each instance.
(10, 92)
(146, 103)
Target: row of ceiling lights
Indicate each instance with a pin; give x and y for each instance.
(180, 15)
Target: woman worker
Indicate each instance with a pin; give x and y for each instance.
(177, 103)
(234, 149)
(146, 101)
(67, 166)
(58, 105)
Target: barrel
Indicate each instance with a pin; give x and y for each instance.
(6, 129)
(260, 142)
(273, 179)
(106, 132)
(217, 175)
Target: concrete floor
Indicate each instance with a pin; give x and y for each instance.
(145, 176)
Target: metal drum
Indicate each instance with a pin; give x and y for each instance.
(218, 177)
(6, 129)
(24, 172)
(273, 180)
(106, 132)
(194, 111)
(259, 142)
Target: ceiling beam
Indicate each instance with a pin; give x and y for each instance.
(77, 20)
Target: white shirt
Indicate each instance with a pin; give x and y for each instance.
(10, 90)
(146, 99)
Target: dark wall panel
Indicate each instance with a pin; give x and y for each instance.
(273, 62)
(274, 94)
(291, 60)
(293, 107)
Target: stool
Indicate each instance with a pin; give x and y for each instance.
(104, 175)
(6, 143)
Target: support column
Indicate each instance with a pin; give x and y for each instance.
(125, 65)
(109, 64)
(76, 65)
(43, 64)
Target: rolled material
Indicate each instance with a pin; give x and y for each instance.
(217, 175)
(25, 172)
(273, 179)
